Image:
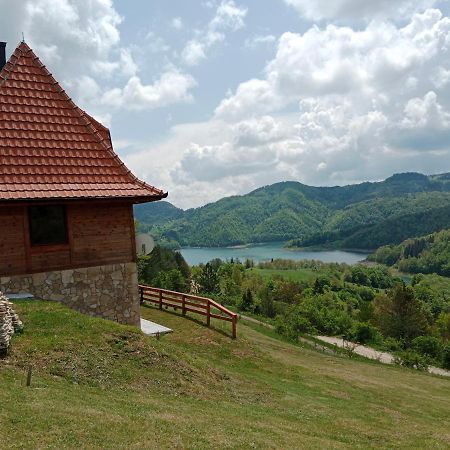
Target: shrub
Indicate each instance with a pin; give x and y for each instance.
(427, 346)
(443, 325)
(292, 325)
(412, 359)
(301, 325)
(364, 333)
(393, 345)
(446, 357)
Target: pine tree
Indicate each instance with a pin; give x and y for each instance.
(247, 301)
(400, 315)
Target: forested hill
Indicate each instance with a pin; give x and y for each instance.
(426, 254)
(356, 216)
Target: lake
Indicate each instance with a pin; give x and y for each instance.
(265, 252)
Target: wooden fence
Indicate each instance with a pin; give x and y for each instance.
(189, 303)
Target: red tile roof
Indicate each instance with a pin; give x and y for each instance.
(50, 148)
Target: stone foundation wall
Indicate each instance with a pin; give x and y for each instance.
(110, 292)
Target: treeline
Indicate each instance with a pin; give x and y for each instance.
(427, 254)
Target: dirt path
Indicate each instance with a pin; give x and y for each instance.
(371, 353)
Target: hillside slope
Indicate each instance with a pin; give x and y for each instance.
(310, 215)
(97, 384)
(425, 254)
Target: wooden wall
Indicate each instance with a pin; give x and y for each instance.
(12, 240)
(99, 234)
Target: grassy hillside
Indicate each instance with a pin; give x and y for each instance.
(310, 215)
(98, 384)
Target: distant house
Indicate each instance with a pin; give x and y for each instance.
(66, 199)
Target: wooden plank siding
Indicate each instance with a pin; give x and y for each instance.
(12, 241)
(99, 233)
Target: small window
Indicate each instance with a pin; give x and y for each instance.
(48, 225)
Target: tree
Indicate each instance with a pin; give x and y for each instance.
(285, 291)
(247, 301)
(266, 296)
(172, 280)
(443, 326)
(400, 315)
(320, 284)
(153, 269)
(209, 279)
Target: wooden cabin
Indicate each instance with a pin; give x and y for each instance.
(66, 199)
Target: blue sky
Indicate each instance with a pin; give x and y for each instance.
(213, 98)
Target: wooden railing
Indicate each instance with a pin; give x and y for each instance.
(188, 303)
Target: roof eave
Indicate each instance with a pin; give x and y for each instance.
(53, 200)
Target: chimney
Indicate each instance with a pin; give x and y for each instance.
(2, 54)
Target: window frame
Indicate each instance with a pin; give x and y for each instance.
(53, 245)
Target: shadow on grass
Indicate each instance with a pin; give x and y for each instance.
(174, 312)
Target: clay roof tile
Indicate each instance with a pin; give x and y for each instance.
(50, 148)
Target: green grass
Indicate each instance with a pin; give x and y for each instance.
(298, 275)
(97, 384)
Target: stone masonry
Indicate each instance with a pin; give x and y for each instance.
(110, 292)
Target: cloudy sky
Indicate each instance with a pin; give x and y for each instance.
(209, 98)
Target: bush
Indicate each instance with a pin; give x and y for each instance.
(292, 326)
(364, 333)
(428, 346)
(393, 345)
(411, 359)
(281, 326)
(301, 325)
(446, 357)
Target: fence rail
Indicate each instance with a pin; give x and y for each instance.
(188, 303)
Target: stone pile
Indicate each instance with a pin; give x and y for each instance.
(9, 323)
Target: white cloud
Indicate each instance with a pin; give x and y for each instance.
(426, 112)
(193, 53)
(177, 23)
(228, 17)
(127, 63)
(367, 104)
(358, 9)
(370, 64)
(172, 87)
(68, 35)
(155, 44)
(335, 104)
(80, 43)
(258, 40)
(253, 97)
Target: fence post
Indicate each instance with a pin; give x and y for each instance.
(141, 291)
(208, 313)
(160, 299)
(233, 324)
(183, 305)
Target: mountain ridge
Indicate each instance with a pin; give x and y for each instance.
(291, 210)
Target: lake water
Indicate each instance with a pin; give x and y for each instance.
(265, 252)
